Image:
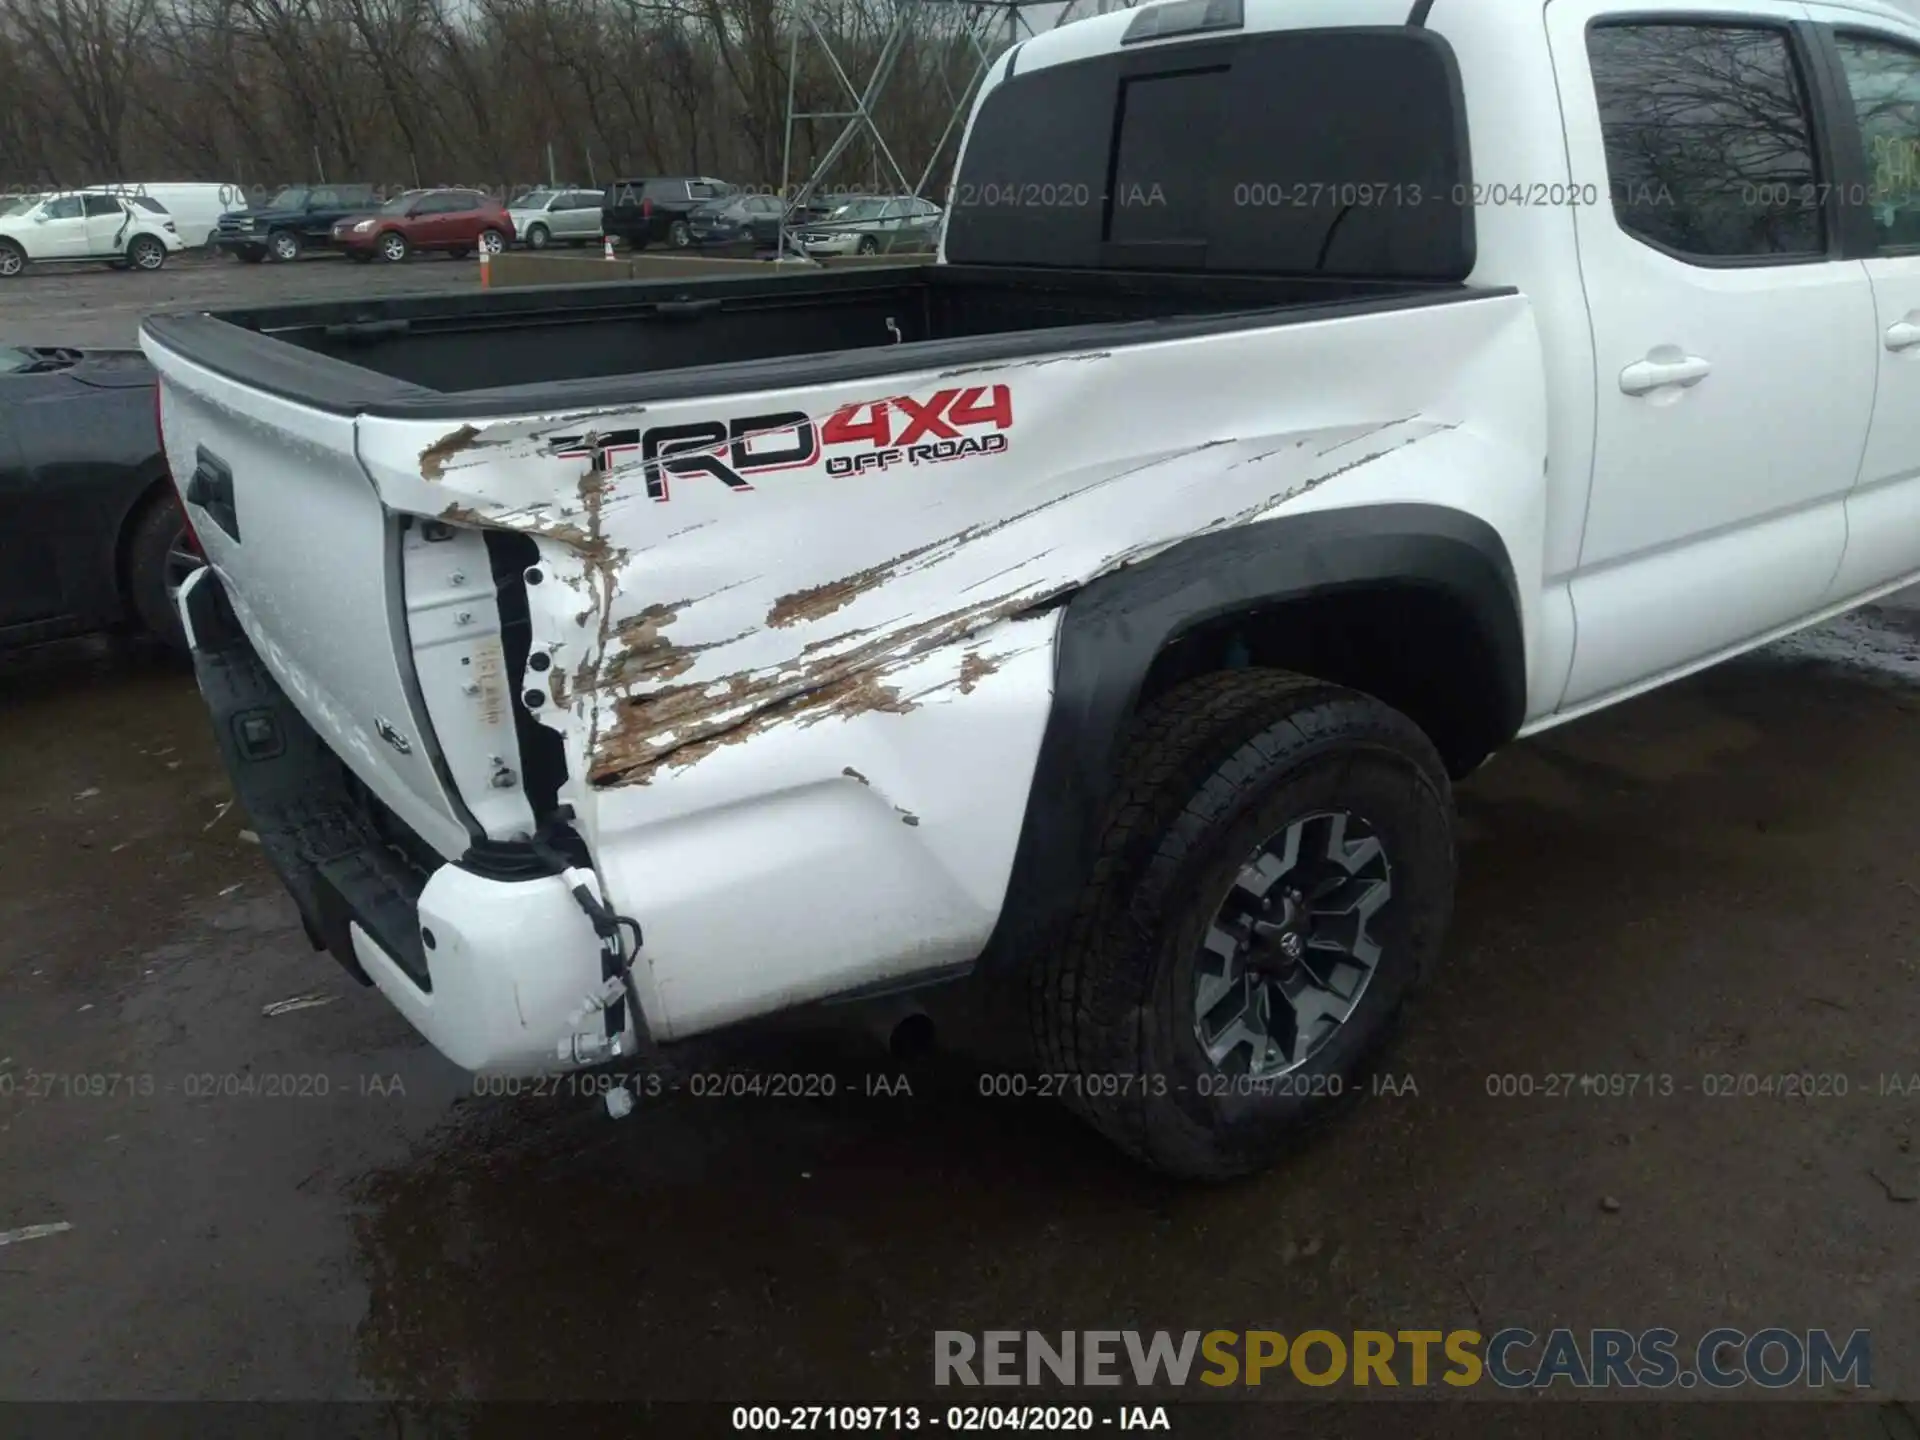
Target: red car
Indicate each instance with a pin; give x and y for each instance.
(456, 221)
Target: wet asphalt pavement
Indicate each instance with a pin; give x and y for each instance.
(1717, 880)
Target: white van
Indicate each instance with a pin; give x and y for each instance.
(195, 208)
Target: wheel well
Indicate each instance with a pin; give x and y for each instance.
(158, 491)
(1418, 648)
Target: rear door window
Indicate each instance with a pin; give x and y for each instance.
(1883, 81)
(102, 205)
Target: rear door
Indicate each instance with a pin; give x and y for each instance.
(324, 205)
(1728, 332)
(107, 224)
(575, 214)
(463, 219)
(1879, 81)
(430, 224)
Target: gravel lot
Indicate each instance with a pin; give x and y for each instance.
(1718, 879)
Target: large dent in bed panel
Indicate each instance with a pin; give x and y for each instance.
(704, 594)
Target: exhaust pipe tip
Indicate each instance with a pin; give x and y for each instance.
(912, 1036)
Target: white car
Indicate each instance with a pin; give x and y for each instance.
(194, 207)
(78, 227)
(1106, 608)
(874, 226)
(556, 217)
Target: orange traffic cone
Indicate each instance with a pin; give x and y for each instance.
(610, 254)
(486, 268)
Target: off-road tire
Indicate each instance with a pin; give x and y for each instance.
(1208, 772)
(149, 543)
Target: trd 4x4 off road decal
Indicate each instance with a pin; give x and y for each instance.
(919, 431)
(872, 435)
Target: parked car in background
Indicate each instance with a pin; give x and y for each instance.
(92, 536)
(456, 221)
(877, 225)
(549, 217)
(646, 212)
(736, 218)
(298, 217)
(195, 208)
(90, 229)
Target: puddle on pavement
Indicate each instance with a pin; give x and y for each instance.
(113, 789)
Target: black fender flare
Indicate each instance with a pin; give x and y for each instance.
(1116, 626)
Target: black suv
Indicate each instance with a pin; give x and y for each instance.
(298, 217)
(653, 211)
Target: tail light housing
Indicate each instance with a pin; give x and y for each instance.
(646, 209)
(179, 493)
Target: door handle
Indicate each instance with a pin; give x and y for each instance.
(1903, 335)
(1670, 368)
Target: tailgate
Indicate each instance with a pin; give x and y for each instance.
(312, 563)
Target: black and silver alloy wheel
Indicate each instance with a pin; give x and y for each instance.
(1274, 880)
(1291, 949)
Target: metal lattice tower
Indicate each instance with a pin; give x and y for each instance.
(985, 27)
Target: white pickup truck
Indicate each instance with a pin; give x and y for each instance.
(1308, 398)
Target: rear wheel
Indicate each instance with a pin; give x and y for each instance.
(160, 556)
(146, 253)
(538, 237)
(1275, 878)
(284, 246)
(393, 247)
(13, 260)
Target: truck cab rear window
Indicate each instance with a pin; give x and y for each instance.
(1337, 152)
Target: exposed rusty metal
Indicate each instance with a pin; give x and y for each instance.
(434, 459)
(641, 714)
(975, 667)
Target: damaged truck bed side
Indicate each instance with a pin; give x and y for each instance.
(1102, 609)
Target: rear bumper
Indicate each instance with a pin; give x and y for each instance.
(489, 967)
